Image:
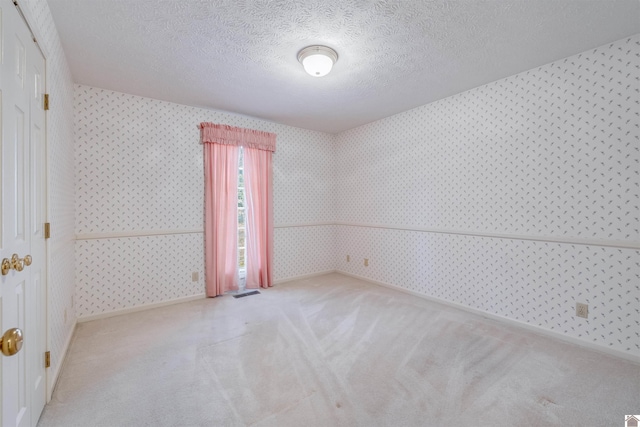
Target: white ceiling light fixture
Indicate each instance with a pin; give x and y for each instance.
(317, 60)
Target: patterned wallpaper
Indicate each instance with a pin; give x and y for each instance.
(533, 282)
(304, 250)
(549, 152)
(138, 166)
(552, 152)
(127, 272)
(61, 178)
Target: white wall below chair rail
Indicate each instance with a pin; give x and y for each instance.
(163, 303)
(138, 308)
(520, 286)
(506, 320)
(534, 282)
(117, 272)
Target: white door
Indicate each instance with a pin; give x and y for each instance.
(22, 293)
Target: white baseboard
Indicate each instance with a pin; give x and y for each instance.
(513, 322)
(143, 307)
(52, 377)
(139, 308)
(304, 276)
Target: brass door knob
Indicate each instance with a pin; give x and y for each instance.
(16, 263)
(6, 266)
(11, 342)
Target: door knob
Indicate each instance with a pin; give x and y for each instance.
(16, 263)
(11, 342)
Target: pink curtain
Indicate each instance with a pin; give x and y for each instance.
(221, 189)
(258, 172)
(221, 218)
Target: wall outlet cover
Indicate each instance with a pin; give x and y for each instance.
(582, 310)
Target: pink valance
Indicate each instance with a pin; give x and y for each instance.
(230, 135)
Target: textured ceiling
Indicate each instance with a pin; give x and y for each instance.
(240, 56)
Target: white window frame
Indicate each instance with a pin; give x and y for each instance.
(242, 209)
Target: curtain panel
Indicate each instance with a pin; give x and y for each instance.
(220, 218)
(258, 171)
(221, 144)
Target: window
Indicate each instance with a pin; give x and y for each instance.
(241, 219)
(230, 232)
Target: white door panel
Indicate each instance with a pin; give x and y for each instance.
(22, 183)
(36, 293)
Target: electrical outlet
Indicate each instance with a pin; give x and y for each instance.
(65, 316)
(366, 262)
(348, 258)
(582, 310)
(195, 276)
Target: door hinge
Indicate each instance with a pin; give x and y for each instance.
(46, 101)
(47, 359)
(47, 230)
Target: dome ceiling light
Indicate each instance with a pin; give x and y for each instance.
(317, 60)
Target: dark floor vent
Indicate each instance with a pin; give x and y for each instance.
(246, 294)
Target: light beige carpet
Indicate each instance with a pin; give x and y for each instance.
(331, 351)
